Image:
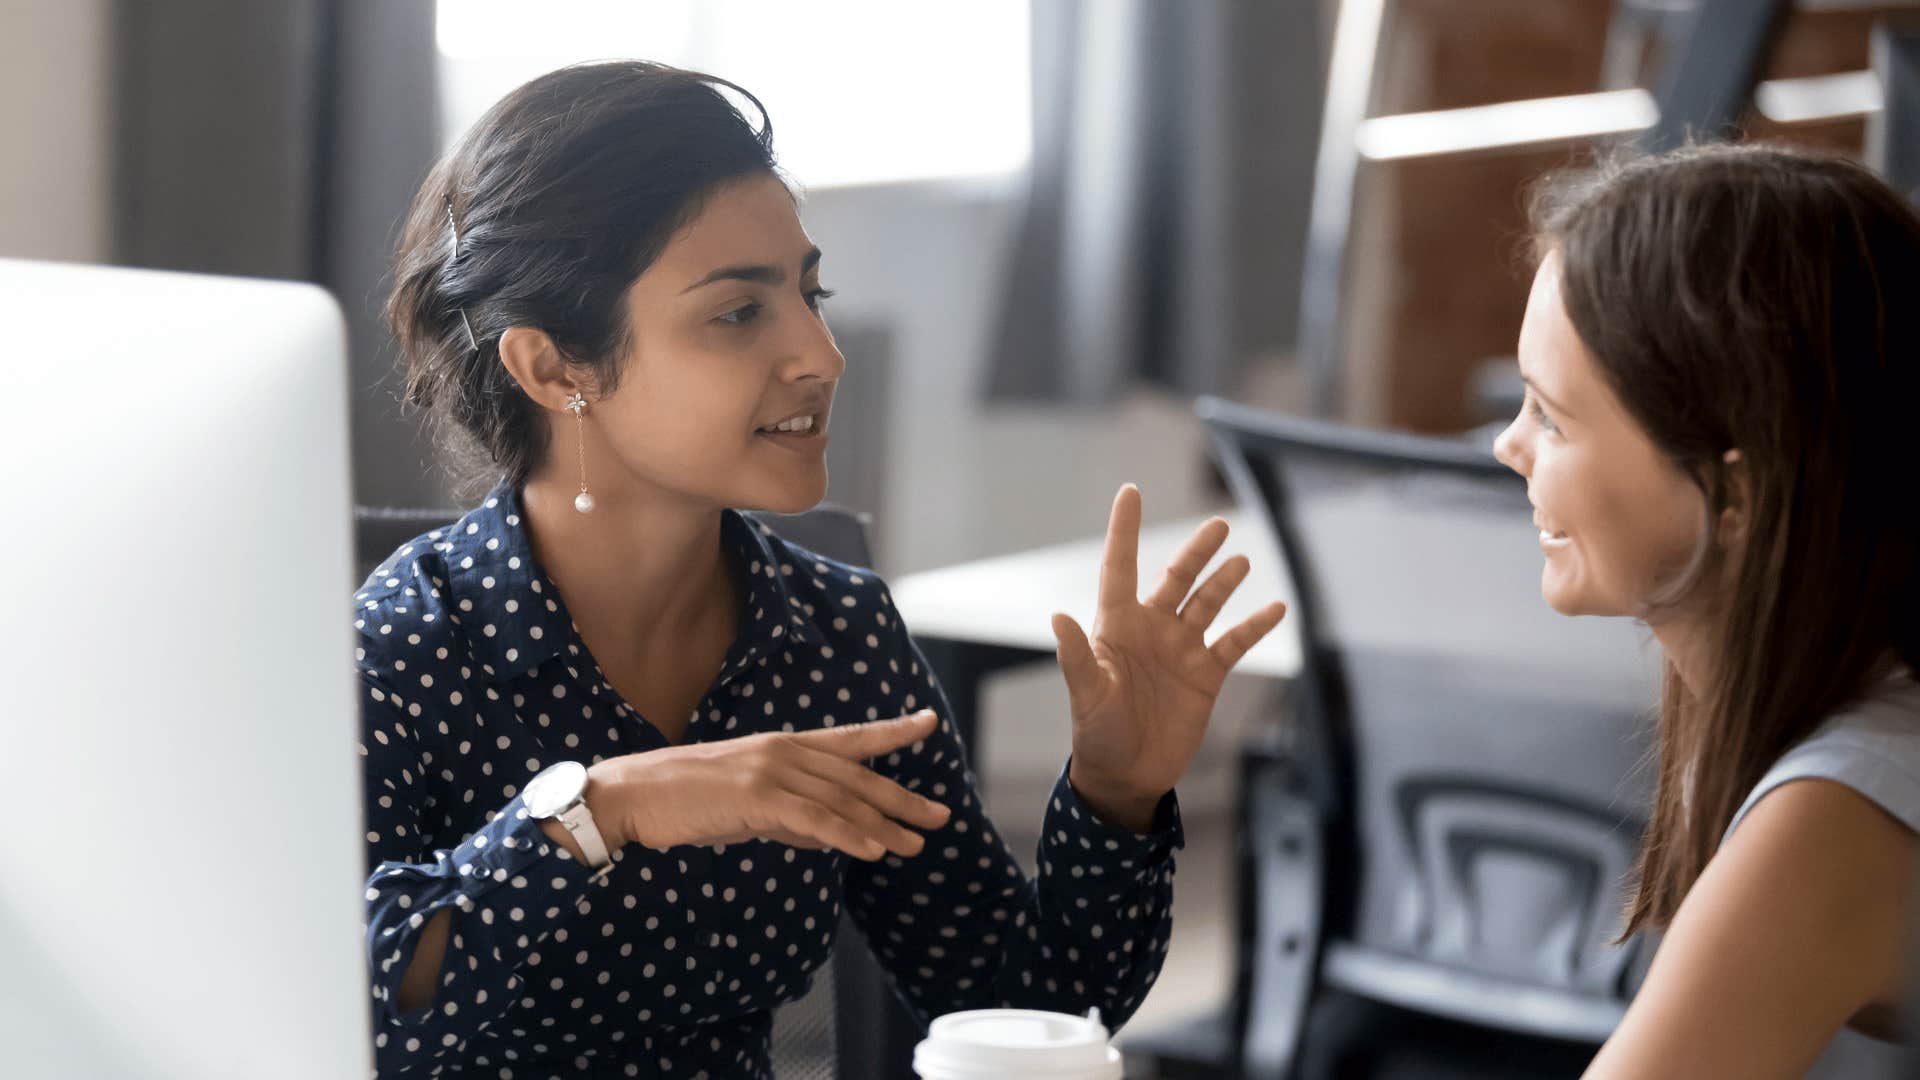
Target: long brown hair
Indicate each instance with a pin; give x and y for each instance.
(1763, 299)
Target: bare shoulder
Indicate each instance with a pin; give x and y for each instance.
(1797, 925)
(1816, 818)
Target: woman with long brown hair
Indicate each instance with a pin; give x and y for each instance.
(1722, 355)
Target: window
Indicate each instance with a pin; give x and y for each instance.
(860, 91)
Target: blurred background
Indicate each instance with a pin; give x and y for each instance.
(1052, 224)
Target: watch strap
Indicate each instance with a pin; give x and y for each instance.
(578, 820)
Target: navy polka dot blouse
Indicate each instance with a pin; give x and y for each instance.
(474, 678)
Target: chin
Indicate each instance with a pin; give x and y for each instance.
(1564, 602)
(1562, 595)
(1570, 595)
(792, 499)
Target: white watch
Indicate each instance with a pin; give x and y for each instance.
(559, 793)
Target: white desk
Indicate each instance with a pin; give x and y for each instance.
(1009, 601)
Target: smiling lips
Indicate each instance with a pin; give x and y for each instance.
(804, 429)
(804, 424)
(1549, 539)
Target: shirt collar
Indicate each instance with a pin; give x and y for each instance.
(515, 620)
(511, 614)
(773, 617)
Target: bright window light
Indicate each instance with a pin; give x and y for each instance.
(860, 91)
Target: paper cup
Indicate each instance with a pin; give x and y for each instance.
(995, 1044)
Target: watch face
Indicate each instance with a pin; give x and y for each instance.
(557, 786)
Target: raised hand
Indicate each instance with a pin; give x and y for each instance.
(1143, 688)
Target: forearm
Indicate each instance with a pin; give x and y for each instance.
(1090, 932)
(418, 984)
(448, 936)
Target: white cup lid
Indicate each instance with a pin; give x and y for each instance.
(1017, 1042)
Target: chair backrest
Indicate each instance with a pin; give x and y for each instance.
(832, 1028)
(849, 1017)
(1479, 751)
(378, 531)
(828, 529)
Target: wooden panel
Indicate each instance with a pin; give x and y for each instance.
(1448, 54)
(1439, 273)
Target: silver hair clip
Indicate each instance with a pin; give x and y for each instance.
(473, 343)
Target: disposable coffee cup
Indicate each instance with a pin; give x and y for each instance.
(1000, 1044)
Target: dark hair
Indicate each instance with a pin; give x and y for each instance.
(561, 196)
(1764, 299)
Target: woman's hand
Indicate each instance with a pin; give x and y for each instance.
(1143, 688)
(807, 789)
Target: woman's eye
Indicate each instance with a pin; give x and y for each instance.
(817, 296)
(1540, 415)
(742, 315)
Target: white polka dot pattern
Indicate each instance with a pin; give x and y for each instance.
(474, 679)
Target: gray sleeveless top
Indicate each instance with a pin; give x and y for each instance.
(1872, 747)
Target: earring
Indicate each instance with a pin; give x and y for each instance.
(582, 502)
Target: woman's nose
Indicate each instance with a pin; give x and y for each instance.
(1508, 449)
(817, 355)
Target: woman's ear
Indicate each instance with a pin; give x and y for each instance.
(535, 362)
(1736, 500)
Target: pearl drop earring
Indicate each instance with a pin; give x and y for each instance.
(582, 502)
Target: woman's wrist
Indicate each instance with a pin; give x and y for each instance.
(1113, 803)
(603, 799)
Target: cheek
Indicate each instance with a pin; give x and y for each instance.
(1560, 481)
(1635, 536)
(684, 422)
(1578, 495)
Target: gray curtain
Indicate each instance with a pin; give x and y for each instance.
(284, 139)
(1173, 159)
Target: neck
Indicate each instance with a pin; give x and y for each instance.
(1688, 644)
(643, 570)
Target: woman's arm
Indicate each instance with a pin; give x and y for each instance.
(417, 986)
(1801, 921)
(451, 931)
(959, 926)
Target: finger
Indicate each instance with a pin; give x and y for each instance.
(848, 807)
(791, 839)
(1077, 663)
(871, 739)
(1186, 566)
(798, 815)
(1207, 600)
(1119, 571)
(1234, 643)
(877, 791)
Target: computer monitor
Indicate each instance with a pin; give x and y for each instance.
(180, 855)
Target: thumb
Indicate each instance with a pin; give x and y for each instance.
(1077, 663)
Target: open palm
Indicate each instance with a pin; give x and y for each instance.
(1143, 688)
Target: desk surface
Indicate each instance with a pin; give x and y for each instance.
(1010, 600)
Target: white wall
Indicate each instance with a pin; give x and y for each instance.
(54, 111)
(966, 480)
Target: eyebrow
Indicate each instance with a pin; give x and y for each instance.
(1535, 387)
(760, 273)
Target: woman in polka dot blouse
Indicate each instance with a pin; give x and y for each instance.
(605, 298)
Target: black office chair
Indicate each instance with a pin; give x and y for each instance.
(1433, 844)
(849, 1024)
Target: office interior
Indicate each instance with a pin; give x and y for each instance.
(1075, 244)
